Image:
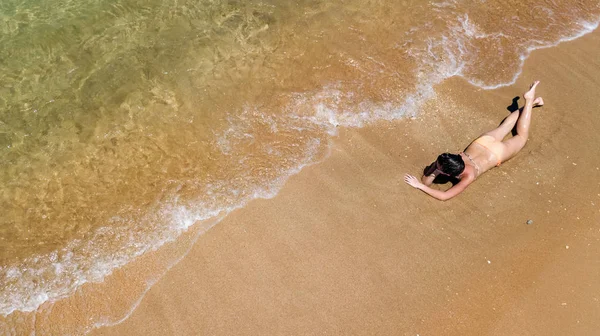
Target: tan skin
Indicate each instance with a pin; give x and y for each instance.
(482, 156)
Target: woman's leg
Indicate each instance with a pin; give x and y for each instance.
(509, 122)
(517, 142)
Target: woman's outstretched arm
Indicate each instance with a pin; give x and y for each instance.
(438, 194)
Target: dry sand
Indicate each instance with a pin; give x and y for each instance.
(347, 248)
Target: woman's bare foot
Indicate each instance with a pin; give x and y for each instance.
(530, 95)
(538, 102)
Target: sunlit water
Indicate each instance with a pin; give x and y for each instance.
(124, 122)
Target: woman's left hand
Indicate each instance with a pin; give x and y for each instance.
(413, 181)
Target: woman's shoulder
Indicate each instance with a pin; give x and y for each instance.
(469, 174)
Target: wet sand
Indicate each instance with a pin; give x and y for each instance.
(347, 248)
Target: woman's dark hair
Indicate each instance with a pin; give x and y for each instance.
(451, 164)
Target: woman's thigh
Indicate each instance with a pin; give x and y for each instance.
(512, 146)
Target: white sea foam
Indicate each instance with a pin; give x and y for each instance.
(586, 27)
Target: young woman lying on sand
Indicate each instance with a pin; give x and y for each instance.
(486, 152)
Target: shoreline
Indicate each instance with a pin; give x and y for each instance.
(334, 252)
(586, 27)
(336, 236)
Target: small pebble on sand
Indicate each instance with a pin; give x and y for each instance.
(529, 221)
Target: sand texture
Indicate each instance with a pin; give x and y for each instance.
(346, 248)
